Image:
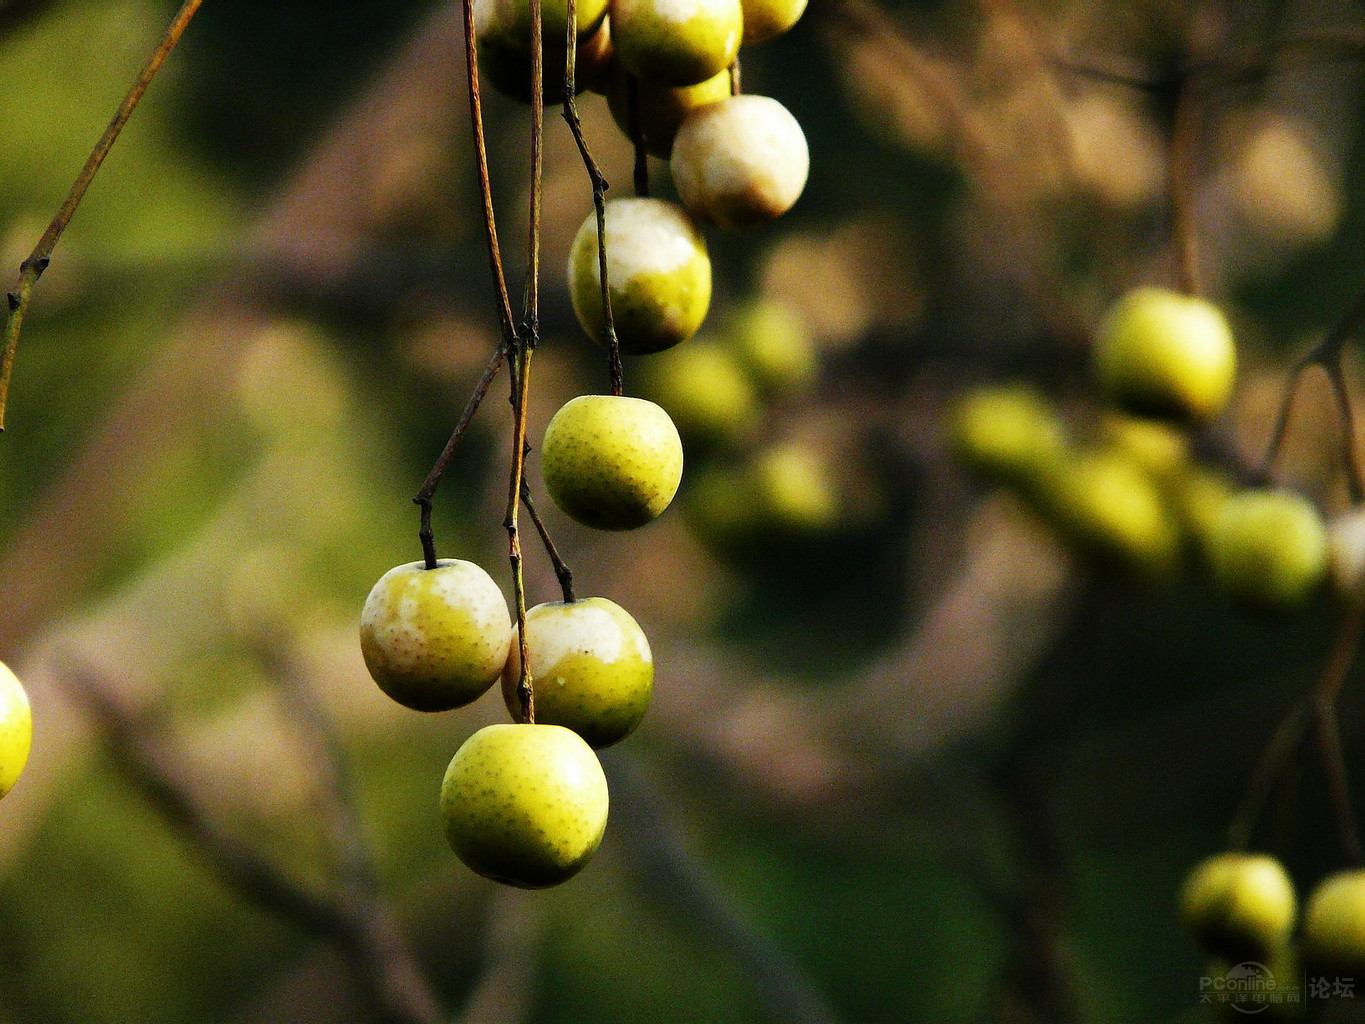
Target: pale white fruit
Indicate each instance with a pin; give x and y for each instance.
(740, 161)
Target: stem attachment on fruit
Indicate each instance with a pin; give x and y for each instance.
(433, 480)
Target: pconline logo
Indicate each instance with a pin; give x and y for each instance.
(1249, 987)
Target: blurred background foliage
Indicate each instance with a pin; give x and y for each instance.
(910, 758)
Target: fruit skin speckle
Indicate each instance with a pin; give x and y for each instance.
(591, 669)
(435, 639)
(612, 462)
(658, 274)
(525, 805)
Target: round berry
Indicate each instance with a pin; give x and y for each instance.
(740, 161)
(591, 669)
(611, 462)
(658, 272)
(435, 639)
(524, 804)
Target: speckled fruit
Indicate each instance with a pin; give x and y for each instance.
(677, 42)
(591, 669)
(524, 804)
(658, 108)
(764, 19)
(611, 462)
(1268, 549)
(658, 271)
(1238, 905)
(740, 161)
(1163, 354)
(706, 392)
(435, 639)
(16, 729)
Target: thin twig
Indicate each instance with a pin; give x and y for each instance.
(599, 204)
(37, 261)
(1184, 178)
(485, 183)
(1319, 708)
(562, 570)
(523, 349)
(433, 480)
(1326, 354)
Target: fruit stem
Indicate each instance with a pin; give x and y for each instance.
(562, 570)
(1183, 178)
(485, 184)
(520, 380)
(599, 202)
(32, 268)
(637, 136)
(433, 480)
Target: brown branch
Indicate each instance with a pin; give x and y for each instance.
(1184, 178)
(1320, 709)
(485, 182)
(433, 480)
(37, 261)
(562, 571)
(599, 204)
(1326, 354)
(350, 917)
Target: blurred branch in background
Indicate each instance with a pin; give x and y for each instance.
(350, 913)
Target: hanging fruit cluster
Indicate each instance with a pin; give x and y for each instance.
(1131, 493)
(525, 802)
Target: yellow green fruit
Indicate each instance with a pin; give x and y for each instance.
(786, 491)
(611, 462)
(775, 346)
(435, 639)
(591, 669)
(1334, 925)
(764, 19)
(658, 108)
(677, 42)
(1238, 905)
(16, 729)
(524, 804)
(1008, 433)
(1104, 503)
(741, 161)
(1163, 354)
(658, 273)
(706, 391)
(1268, 549)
